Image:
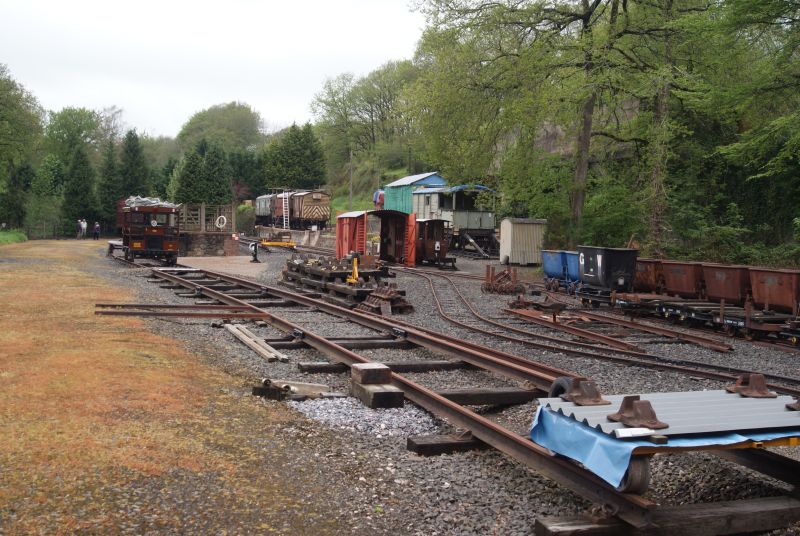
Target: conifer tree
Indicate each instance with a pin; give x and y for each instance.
(134, 176)
(188, 187)
(216, 177)
(79, 200)
(109, 187)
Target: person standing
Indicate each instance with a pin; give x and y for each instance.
(84, 225)
(79, 228)
(96, 231)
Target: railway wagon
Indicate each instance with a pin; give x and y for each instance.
(471, 224)
(150, 229)
(561, 269)
(433, 241)
(397, 233)
(264, 209)
(309, 209)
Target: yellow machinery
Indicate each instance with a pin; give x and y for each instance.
(353, 279)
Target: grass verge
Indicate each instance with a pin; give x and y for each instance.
(11, 237)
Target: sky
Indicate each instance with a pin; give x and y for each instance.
(162, 61)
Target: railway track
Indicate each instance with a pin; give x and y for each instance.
(634, 509)
(471, 319)
(695, 330)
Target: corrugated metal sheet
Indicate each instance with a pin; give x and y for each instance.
(693, 412)
(521, 240)
(432, 178)
(398, 198)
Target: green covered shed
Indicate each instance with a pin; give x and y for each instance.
(397, 194)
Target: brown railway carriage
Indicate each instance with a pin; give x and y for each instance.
(150, 230)
(310, 208)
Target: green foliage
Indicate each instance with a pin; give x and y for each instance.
(296, 160)
(71, 128)
(79, 200)
(186, 184)
(233, 126)
(247, 170)
(133, 173)
(245, 218)
(202, 176)
(11, 236)
(20, 123)
(13, 199)
(43, 217)
(369, 119)
(216, 177)
(160, 178)
(50, 177)
(109, 187)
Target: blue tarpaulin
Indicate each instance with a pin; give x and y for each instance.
(608, 457)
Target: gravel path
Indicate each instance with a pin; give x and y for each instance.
(474, 493)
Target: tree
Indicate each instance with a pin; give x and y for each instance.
(50, 177)
(202, 176)
(110, 187)
(44, 204)
(296, 160)
(186, 183)
(133, 172)
(216, 177)
(20, 123)
(79, 201)
(71, 128)
(12, 201)
(233, 126)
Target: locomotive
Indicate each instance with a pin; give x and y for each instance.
(302, 209)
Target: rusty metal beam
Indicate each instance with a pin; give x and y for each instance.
(706, 342)
(534, 318)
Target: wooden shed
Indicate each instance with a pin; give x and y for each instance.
(397, 194)
(521, 240)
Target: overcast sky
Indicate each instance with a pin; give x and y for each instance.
(162, 61)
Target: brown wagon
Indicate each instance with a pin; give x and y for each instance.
(776, 289)
(683, 278)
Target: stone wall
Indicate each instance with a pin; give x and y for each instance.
(207, 245)
(320, 239)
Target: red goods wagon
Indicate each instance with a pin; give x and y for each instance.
(776, 289)
(649, 275)
(726, 282)
(683, 278)
(351, 233)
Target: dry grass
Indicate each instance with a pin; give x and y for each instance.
(84, 395)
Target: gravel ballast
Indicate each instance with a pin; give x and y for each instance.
(480, 492)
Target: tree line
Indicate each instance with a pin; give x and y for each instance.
(671, 124)
(60, 166)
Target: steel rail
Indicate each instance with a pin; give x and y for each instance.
(769, 343)
(518, 368)
(683, 366)
(592, 348)
(432, 339)
(634, 509)
(706, 342)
